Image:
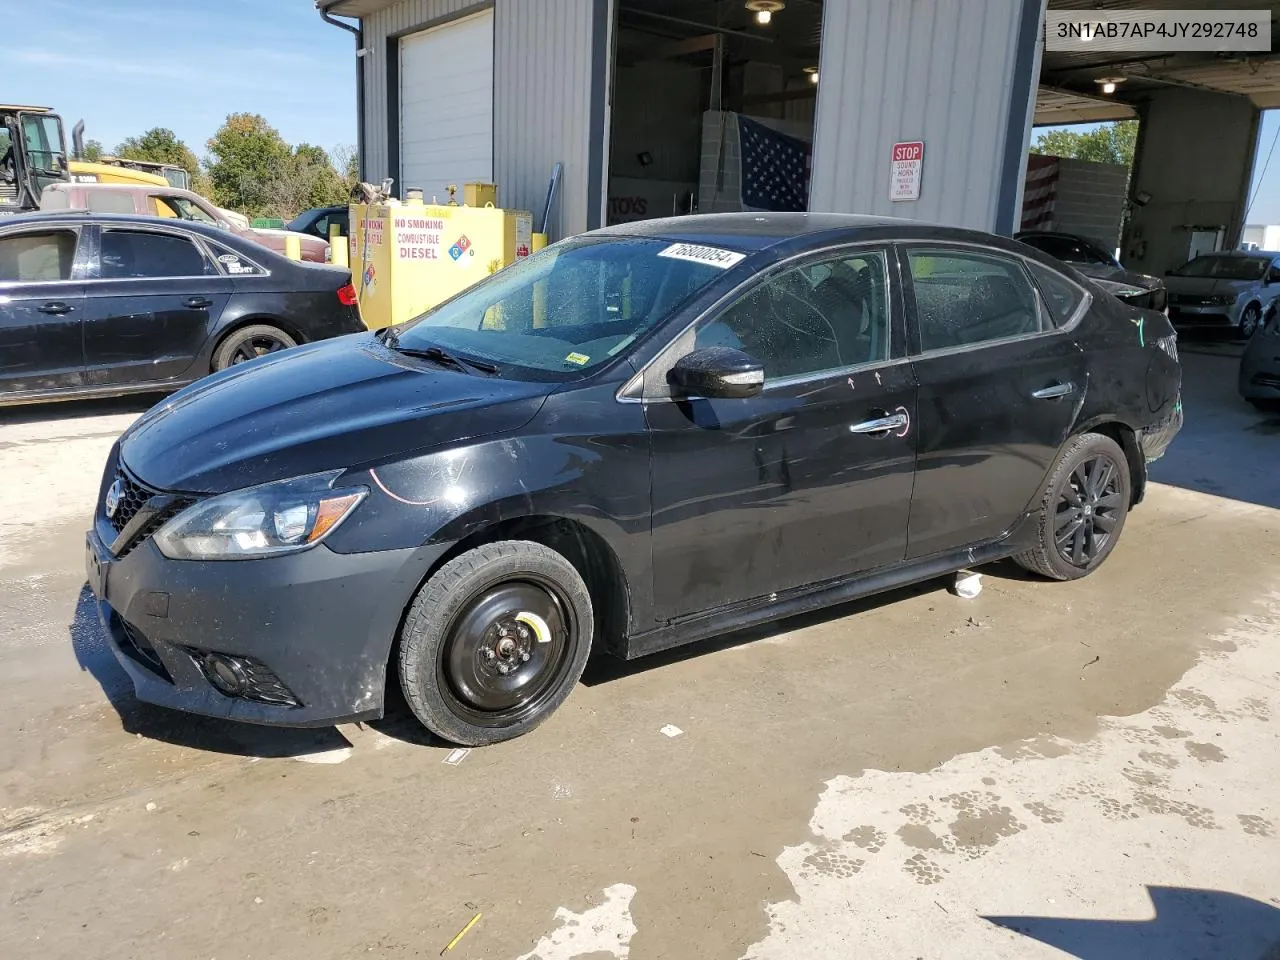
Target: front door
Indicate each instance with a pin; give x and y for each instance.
(152, 304)
(41, 311)
(809, 481)
(1000, 385)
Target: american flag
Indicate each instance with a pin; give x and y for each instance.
(1039, 192)
(775, 168)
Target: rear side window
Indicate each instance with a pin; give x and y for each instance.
(37, 257)
(236, 265)
(109, 201)
(965, 298)
(1062, 296)
(132, 254)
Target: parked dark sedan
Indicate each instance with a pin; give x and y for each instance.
(639, 437)
(95, 304)
(1097, 264)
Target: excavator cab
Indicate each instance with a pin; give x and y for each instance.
(33, 154)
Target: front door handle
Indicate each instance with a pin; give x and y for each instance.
(892, 421)
(198, 303)
(56, 308)
(1054, 391)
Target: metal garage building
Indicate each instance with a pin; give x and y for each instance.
(662, 106)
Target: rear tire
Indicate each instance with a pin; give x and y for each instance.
(494, 642)
(249, 343)
(1082, 510)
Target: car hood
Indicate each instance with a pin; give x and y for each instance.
(1100, 271)
(330, 405)
(1207, 285)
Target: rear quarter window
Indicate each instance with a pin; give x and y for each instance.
(104, 201)
(1062, 296)
(235, 265)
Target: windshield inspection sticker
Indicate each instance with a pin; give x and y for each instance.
(577, 358)
(711, 256)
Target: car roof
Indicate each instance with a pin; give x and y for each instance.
(227, 238)
(168, 190)
(759, 231)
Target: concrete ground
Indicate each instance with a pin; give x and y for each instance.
(1048, 770)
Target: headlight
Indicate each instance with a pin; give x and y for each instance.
(275, 518)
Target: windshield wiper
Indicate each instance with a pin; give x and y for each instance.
(442, 356)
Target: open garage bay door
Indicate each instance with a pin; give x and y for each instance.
(446, 106)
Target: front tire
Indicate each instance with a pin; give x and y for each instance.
(1082, 510)
(494, 642)
(1249, 321)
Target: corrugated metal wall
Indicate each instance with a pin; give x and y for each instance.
(941, 71)
(547, 109)
(546, 106)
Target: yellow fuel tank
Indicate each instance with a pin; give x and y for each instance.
(408, 257)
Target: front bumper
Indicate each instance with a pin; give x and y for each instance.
(1259, 377)
(1204, 315)
(320, 623)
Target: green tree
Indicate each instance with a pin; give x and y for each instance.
(93, 150)
(160, 145)
(1109, 143)
(247, 156)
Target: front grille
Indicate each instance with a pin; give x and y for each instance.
(1197, 300)
(133, 497)
(139, 648)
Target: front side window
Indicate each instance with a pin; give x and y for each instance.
(965, 298)
(821, 317)
(133, 254)
(569, 308)
(41, 257)
(182, 208)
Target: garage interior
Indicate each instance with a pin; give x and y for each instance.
(1199, 117)
(712, 106)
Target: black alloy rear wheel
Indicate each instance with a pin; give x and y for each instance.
(1082, 510)
(249, 343)
(494, 642)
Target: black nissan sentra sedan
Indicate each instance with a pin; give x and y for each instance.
(636, 438)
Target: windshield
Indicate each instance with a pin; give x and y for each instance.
(567, 309)
(177, 177)
(1224, 268)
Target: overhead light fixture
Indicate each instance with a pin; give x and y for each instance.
(813, 74)
(1108, 84)
(765, 9)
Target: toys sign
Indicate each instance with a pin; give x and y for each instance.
(907, 164)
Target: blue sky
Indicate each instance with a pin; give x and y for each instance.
(124, 66)
(1265, 189)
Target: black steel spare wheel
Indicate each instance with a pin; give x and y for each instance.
(494, 642)
(249, 343)
(1082, 510)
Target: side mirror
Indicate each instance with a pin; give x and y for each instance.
(717, 373)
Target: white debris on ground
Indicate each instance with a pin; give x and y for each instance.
(606, 928)
(985, 852)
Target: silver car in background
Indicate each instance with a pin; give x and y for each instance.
(1224, 290)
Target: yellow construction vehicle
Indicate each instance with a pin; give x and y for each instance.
(33, 154)
(122, 169)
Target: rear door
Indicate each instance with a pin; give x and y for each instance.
(42, 307)
(153, 300)
(808, 481)
(1000, 385)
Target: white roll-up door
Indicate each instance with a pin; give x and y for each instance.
(446, 106)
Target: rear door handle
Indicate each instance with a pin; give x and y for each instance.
(56, 308)
(1055, 391)
(198, 303)
(893, 421)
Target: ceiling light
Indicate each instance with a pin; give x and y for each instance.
(765, 9)
(1109, 84)
(813, 74)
